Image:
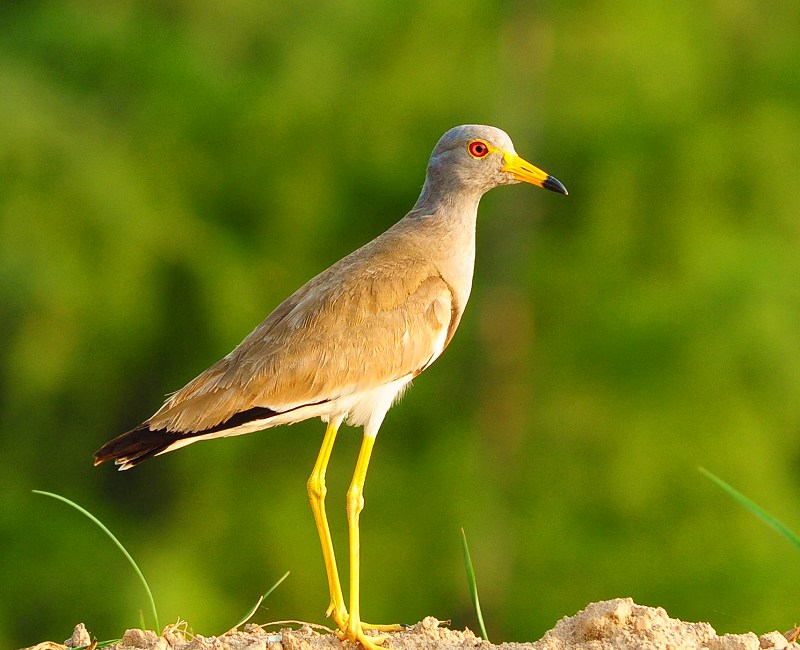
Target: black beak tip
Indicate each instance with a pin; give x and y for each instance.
(555, 185)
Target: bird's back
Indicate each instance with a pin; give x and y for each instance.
(382, 313)
(347, 342)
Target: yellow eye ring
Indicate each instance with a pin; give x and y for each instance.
(478, 149)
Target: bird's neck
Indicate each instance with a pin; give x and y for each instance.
(448, 222)
(433, 200)
(452, 215)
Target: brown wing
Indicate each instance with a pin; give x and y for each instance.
(373, 317)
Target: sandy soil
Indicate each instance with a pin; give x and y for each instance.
(610, 625)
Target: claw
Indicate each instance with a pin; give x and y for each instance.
(340, 617)
(368, 642)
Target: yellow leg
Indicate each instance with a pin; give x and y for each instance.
(316, 496)
(349, 627)
(355, 504)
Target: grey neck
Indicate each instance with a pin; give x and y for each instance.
(432, 200)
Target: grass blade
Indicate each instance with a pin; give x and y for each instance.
(473, 585)
(255, 607)
(753, 507)
(116, 541)
(276, 585)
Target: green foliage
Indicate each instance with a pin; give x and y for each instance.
(757, 510)
(260, 600)
(171, 170)
(473, 586)
(119, 545)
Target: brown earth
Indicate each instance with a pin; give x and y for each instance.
(617, 624)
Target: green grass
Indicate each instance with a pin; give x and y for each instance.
(139, 573)
(117, 542)
(753, 507)
(471, 580)
(473, 586)
(255, 607)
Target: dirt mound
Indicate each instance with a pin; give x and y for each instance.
(611, 625)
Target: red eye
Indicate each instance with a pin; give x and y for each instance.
(478, 149)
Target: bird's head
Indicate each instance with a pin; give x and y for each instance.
(477, 157)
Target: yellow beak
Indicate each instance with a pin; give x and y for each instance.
(523, 171)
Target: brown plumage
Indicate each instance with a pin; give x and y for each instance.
(345, 345)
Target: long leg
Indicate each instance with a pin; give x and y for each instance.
(316, 496)
(355, 504)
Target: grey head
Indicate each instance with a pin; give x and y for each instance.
(473, 158)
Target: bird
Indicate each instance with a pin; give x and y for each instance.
(345, 346)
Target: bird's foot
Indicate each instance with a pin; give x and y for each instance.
(340, 616)
(357, 633)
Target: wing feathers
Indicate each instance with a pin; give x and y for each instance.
(374, 317)
(331, 341)
(143, 442)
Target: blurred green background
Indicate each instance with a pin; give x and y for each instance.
(170, 171)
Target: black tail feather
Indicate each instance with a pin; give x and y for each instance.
(136, 446)
(141, 443)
